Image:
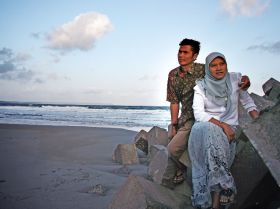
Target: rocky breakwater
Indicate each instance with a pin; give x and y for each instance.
(258, 156)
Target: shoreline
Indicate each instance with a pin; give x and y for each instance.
(66, 126)
(45, 166)
(135, 129)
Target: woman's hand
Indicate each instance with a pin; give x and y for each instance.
(226, 128)
(228, 131)
(245, 83)
(254, 114)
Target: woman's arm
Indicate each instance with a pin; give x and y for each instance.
(244, 97)
(226, 128)
(248, 104)
(199, 105)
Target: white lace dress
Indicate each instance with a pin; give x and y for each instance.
(210, 152)
(211, 155)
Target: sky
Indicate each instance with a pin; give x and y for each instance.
(120, 52)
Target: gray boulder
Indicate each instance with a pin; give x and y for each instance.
(140, 193)
(158, 162)
(125, 154)
(141, 141)
(157, 136)
(262, 103)
(271, 88)
(259, 147)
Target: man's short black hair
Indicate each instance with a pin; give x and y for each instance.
(193, 43)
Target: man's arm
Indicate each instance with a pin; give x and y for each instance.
(174, 111)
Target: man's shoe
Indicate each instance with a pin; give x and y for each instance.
(179, 178)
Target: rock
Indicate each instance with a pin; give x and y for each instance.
(274, 94)
(264, 135)
(157, 166)
(98, 189)
(184, 189)
(185, 159)
(124, 170)
(141, 134)
(271, 89)
(143, 158)
(157, 136)
(141, 141)
(248, 170)
(241, 142)
(140, 193)
(125, 154)
(158, 162)
(259, 155)
(262, 104)
(268, 85)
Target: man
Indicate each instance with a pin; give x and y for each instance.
(181, 81)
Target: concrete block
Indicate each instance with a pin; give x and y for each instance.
(141, 141)
(262, 104)
(185, 159)
(140, 193)
(274, 94)
(157, 136)
(158, 162)
(264, 136)
(269, 85)
(248, 170)
(125, 154)
(141, 134)
(261, 154)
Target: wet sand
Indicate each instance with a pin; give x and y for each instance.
(56, 167)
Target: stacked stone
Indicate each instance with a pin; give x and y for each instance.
(258, 146)
(258, 152)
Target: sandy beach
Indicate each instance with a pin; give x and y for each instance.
(57, 167)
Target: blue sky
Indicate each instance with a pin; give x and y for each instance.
(120, 52)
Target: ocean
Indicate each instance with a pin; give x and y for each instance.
(112, 116)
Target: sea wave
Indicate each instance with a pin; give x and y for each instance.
(129, 117)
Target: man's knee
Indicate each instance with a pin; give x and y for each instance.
(174, 150)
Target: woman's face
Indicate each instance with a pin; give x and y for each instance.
(218, 68)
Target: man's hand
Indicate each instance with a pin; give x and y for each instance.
(173, 131)
(174, 110)
(245, 83)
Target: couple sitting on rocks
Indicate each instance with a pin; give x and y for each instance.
(207, 126)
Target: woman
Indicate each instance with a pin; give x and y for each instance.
(212, 138)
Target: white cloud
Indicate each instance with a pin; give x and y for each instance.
(81, 33)
(244, 7)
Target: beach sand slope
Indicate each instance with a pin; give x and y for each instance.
(56, 167)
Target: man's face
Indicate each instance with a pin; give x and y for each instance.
(186, 55)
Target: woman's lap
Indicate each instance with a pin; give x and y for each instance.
(211, 156)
